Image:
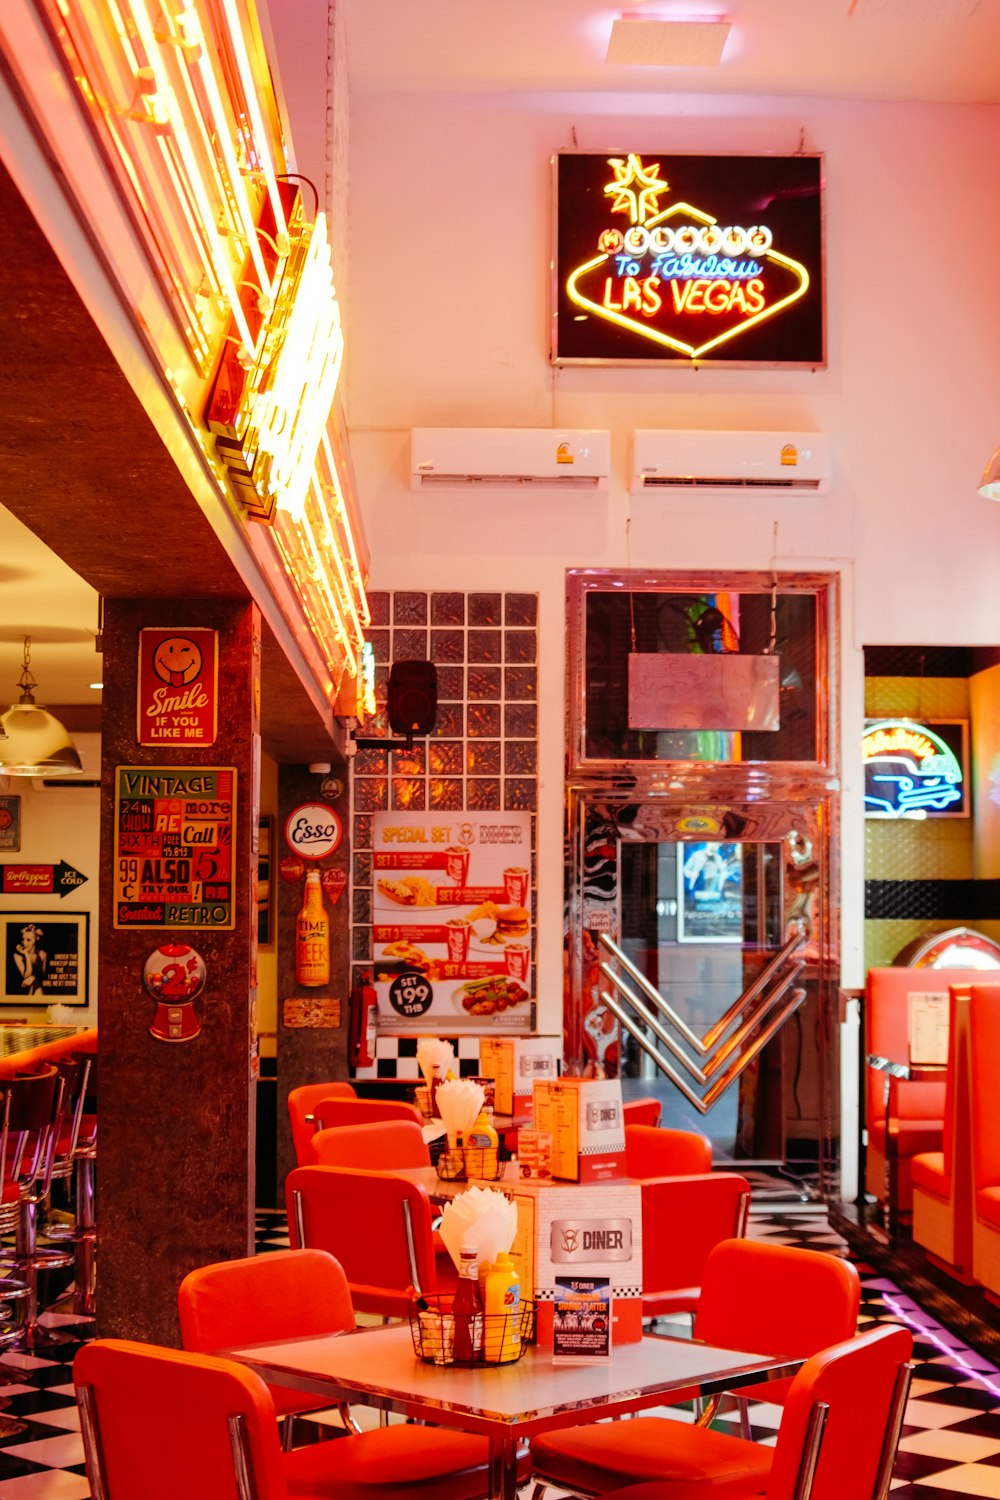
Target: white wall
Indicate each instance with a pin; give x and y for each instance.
(60, 823)
(449, 241)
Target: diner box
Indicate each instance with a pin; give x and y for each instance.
(565, 1231)
(587, 1124)
(515, 1063)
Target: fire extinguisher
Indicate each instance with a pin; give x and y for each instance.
(364, 1023)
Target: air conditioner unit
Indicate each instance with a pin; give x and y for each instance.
(509, 458)
(778, 463)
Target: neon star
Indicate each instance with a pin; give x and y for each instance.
(636, 188)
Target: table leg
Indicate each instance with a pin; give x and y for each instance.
(503, 1467)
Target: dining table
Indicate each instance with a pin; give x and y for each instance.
(508, 1403)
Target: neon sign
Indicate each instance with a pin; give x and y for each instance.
(688, 259)
(912, 771)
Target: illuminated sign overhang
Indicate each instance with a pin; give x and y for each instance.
(910, 770)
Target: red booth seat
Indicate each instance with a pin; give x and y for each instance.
(984, 1055)
(942, 1180)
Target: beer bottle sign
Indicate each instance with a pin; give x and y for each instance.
(312, 936)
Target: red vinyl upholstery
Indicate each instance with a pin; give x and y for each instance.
(984, 1035)
(332, 1112)
(683, 1219)
(863, 1383)
(301, 1107)
(916, 1110)
(161, 1419)
(942, 1180)
(769, 1299)
(652, 1152)
(358, 1217)
(379, 1147)
(642, 1111)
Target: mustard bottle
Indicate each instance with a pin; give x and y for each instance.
(482, 1149)
(502, 1306)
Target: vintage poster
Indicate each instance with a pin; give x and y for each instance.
(10, 824)
(177, 701)
(452, 923)
(174, 846)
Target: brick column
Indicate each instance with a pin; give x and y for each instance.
(175, 1170)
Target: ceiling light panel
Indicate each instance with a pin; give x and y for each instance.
(912, 10)
(667, 44)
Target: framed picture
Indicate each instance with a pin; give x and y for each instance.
(45, 957)
(709, 893)
(10, 824)
(265, 882)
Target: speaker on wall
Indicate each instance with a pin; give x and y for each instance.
(412, 703)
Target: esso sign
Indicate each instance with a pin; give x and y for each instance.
(313, 830)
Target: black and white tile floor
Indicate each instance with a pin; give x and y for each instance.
(950, 1445)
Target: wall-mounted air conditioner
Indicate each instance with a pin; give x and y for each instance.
(509, 458)
(779, 463)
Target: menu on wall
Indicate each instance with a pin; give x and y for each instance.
(174, 846)
(451, 921)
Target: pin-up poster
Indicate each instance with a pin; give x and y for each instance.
(452, 924)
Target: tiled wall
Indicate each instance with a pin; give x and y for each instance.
(483, 752)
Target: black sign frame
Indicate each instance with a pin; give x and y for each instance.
(785, 193)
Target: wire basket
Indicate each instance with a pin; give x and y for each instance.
(432, 1327)
(476, 1163)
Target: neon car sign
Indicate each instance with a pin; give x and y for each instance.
(910, 771)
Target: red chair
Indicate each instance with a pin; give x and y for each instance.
(161, 1423)
(333, 1112)
(642, 1111)
(651, 1152)
(301, 1104)
(838, 1435)
(767, 1299)
(293, 1294)
(683, 1219)
(379, 1147)
(377, 1225)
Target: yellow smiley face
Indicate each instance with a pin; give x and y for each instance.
(177, 660)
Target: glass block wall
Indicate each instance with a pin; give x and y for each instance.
(483, 752)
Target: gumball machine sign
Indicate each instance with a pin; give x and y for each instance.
(174, 975)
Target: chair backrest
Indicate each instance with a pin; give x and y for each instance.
(333, 1112)
(30, 1113)
(301, 1105)
(381, 1146)
(683, 1219)
(159, 1423)
(359, 1218)
(848, 1401)
(642, 1111)
(651, 1152)
(887, 1034)
(775, 1299)
(263, 1298)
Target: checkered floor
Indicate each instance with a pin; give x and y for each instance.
(950, 1445)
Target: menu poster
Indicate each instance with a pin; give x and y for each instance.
(173, 862)
(929, 1028)
(452, 927)
(581, 1321)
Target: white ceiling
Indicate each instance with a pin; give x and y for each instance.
(922, 50)
(930, 50)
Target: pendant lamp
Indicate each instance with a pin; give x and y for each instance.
(34, 743)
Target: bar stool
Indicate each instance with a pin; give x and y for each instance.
(75, 1156)
(31, 1119)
